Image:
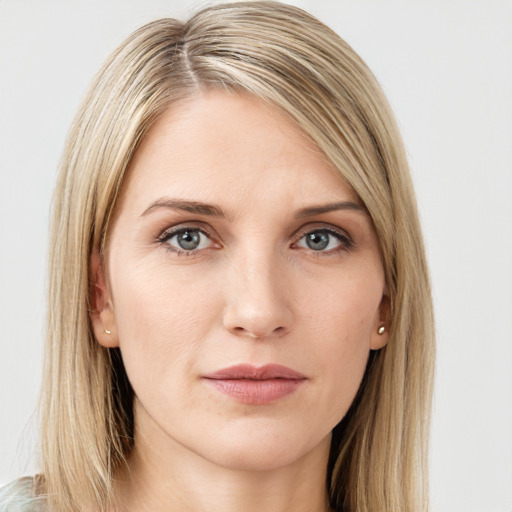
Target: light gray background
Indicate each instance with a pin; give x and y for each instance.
(447, 69)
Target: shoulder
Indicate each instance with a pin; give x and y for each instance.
(19, 496)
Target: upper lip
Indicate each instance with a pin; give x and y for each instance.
(248, 371)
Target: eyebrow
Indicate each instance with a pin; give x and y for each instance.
(325, 208)
(186, 206)
(214, 211)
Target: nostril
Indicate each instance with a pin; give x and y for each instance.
(259, 334)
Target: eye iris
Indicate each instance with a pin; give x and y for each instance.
(188, 240)
(317, 240)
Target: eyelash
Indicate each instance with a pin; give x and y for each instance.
(167, 235)
(346, 242)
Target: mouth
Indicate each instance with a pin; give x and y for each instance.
(256, 385)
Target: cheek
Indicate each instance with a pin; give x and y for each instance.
(345, 309)
(161, 318)
(344, 361)
(343, 317)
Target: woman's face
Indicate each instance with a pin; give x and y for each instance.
(236, 243)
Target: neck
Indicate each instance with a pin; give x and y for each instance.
(179, 480)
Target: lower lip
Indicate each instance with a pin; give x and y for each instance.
(256, 392)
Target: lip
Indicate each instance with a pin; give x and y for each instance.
(256, 385)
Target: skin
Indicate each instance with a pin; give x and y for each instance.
(252, 292)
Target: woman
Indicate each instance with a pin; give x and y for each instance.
(241, 314)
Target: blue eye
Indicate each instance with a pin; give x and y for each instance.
(186, 239)
(323, 240)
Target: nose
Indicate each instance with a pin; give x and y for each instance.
(256, 298)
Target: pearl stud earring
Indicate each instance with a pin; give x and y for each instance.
(107, 331)
(381, 329)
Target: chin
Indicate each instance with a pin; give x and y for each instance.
(256, 458)
(264, 451)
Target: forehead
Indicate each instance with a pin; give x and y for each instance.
(232, 148)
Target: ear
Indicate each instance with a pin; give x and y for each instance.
(380, 334)
(102, 311)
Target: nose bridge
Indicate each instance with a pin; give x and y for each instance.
(256, 302)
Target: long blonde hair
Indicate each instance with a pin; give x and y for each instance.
(289, 59)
